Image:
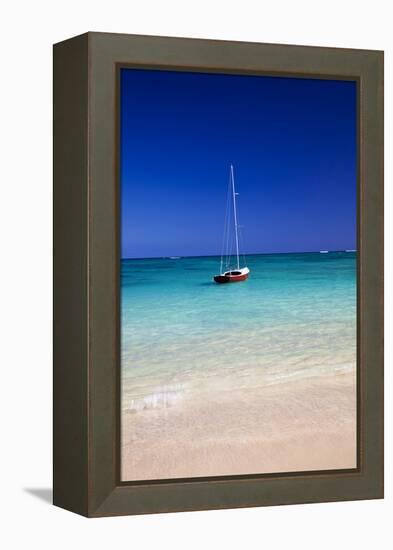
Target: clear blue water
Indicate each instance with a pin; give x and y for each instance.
(183, 335)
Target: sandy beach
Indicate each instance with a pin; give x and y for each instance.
(307, 424)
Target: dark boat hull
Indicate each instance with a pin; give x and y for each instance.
(231, 278)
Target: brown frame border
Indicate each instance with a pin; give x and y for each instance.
(86, 275)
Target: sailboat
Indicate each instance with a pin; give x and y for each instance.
(229, 273)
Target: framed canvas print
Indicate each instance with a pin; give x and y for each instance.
(218, 274)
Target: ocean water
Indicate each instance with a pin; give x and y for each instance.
(185, 337)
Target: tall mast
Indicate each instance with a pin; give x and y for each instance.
(235, 216)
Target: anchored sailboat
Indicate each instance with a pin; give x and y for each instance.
(228, 273)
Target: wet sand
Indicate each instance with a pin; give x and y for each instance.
(307, 424)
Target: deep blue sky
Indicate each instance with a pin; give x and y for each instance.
(292, 142)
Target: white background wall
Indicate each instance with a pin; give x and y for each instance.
(28, 29)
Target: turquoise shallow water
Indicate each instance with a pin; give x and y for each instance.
(184, 337)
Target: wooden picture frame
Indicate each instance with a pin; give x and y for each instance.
(86, 275)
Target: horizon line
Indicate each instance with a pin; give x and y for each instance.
(248, 254)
